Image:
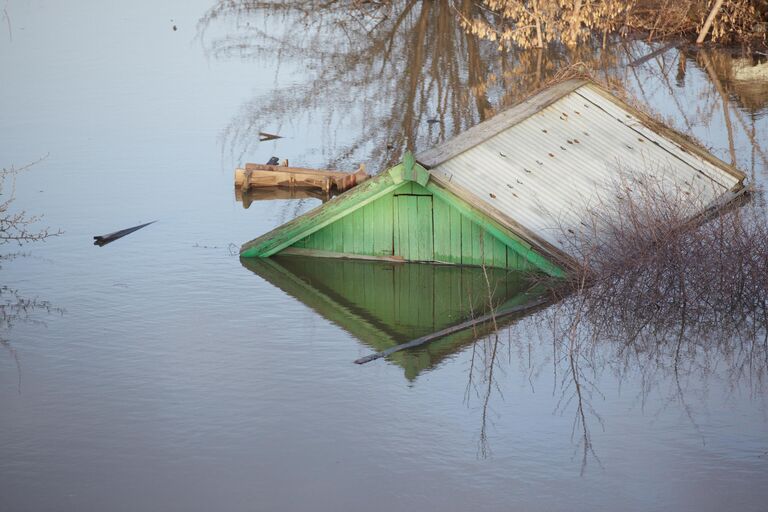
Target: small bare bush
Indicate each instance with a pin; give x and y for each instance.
(651, 273)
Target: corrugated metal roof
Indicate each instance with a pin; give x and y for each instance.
(543, 171)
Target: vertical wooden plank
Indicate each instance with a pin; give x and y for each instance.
(348, 233)
(320, 238)
(478, 244)
(384, 222)
(331, 236)
(499, 253)
(369, 227)
(398, 250)
(515, 261)
(424, 236)
(441, 212)
(312, 241)
(412, 223)
(455, 229)
(466, 241)
(359, 228)
(335, 237)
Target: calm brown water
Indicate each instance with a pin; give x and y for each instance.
(166, 375)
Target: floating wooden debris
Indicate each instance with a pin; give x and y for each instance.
(102, 240)
(264, 136)
(502, 193)
(260, 176)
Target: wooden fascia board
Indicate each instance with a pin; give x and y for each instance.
(489, 222)
(498, 123)
(291, 232)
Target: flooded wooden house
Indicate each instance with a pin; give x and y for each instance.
(504, 193)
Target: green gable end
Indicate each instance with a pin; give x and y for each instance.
(404, 215)
(414, 224)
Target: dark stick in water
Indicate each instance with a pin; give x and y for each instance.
(450, 330)
(101, 240)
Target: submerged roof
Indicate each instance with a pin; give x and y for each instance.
(531, 174)
(538, 165)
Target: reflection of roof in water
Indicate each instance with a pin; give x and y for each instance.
(385, 304)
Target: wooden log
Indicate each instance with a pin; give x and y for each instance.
(285, 168)
(259, 175)
(450, 330)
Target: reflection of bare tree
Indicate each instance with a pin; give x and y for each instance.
(402, 74)
(17, 227)
(16, 308)
(657, 297)
(735, 89)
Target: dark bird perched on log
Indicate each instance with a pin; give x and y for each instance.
(273, 161)
(102, 240)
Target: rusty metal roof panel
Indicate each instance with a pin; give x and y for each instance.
(543, 171)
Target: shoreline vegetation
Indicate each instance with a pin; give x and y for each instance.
(528, 24)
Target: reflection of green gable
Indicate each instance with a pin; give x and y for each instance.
(384, 304)
(402, 214)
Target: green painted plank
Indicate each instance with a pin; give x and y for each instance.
(324, 239)
(499, 253)
(369, 228)
(336, 237)
(309, 241)
(510, 239)
(383, 244)
(466, 241)
(478, 244)
(347, 233)
(455, 233)
(442, 233)
(412, 244)
(424, 228)
(396, 233)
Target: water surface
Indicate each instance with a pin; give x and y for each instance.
(163, 374)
